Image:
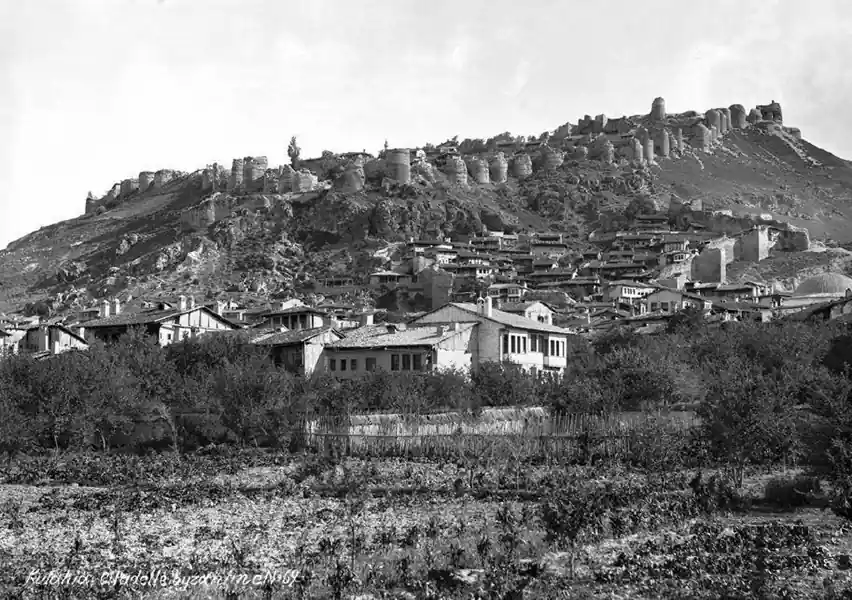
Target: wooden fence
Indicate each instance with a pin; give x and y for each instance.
(496, 432)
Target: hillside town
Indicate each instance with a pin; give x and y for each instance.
(504, 297)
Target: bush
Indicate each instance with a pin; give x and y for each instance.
(789, 492)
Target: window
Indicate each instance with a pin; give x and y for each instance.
(505, 343)
(332, 364)
(406, 362)
(353, 364)
(513, 345)
(394, 362)
(370, 364)
(653, 306)
(342, 364)
(524, 345)
(417, 362)
(664, 306)
(552, 347)
(533, 345)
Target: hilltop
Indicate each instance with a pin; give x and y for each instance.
(267, 232)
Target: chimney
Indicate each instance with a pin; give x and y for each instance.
(220, 307)
(456, 326)
(104, 309)
(116, 306)
(43, 338)
(182, 303)
(191, 302)
(366, 319)
(486, 308)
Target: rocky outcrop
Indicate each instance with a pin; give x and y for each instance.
(351, 180)
(662, 144)
(456, 170)
(701, 137)
(235, 182)
(792, 239)
(478, 169)
(551, 158)
(580, 153)
(738, 116)
(399, 164)
(129, 186)
(607, 154)
(71, 271)
(726, 115)
(714, 134)
(424, 171)
(499, 168)
(91, 204)
(213, 179)
(146, 180)
(658, 109)
(254, 171)
(521, 165)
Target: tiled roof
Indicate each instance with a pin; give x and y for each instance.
(378, 336)
(519, 307)
(296, 310)
(142, 317)
(510, 320)
(286, 338)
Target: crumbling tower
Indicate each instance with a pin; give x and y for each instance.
(399, 164)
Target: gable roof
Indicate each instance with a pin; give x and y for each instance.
(297, 310)
(519, 307)
(290, 338)
(508, 319)
(151, 317)
(378, 336)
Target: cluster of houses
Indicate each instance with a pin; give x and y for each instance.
(306, 339)
(502, 297)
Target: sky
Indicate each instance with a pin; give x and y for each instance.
(95, 91)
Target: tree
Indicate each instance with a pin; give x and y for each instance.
(294, 152)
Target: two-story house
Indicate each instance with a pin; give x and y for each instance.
(166, 324)
(669, 300)
(506, 337)
(299, 351)
(534, 311)
(507, 292)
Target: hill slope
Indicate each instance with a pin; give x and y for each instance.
(274, 243)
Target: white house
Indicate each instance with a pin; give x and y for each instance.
(505, 337)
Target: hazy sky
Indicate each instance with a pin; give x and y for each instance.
(94, 91)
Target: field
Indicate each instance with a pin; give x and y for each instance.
(307, 527)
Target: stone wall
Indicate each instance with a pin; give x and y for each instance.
(649, 149)
(701, 137)
(713, 117)
(478, 169)
(738, 116)
(162, 177)
(607, 154)
(285, 179)
(754, 244)
(754, 116)
(351, 180)
(213, 178)
(254, 170)
(146, 179)
(399, 164)
(499, 168)
(599, 124)
(709, 266)
(658, 109)
(771, 112)
(456, 170)
(551, 158)
(521, 165)
(303, 181)
(129, 186)
(662, 145)
(235, 181)
(91, 204)
(637, 153)
(678, 139)
(270, 181)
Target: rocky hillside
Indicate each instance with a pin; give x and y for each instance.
(180, 236)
